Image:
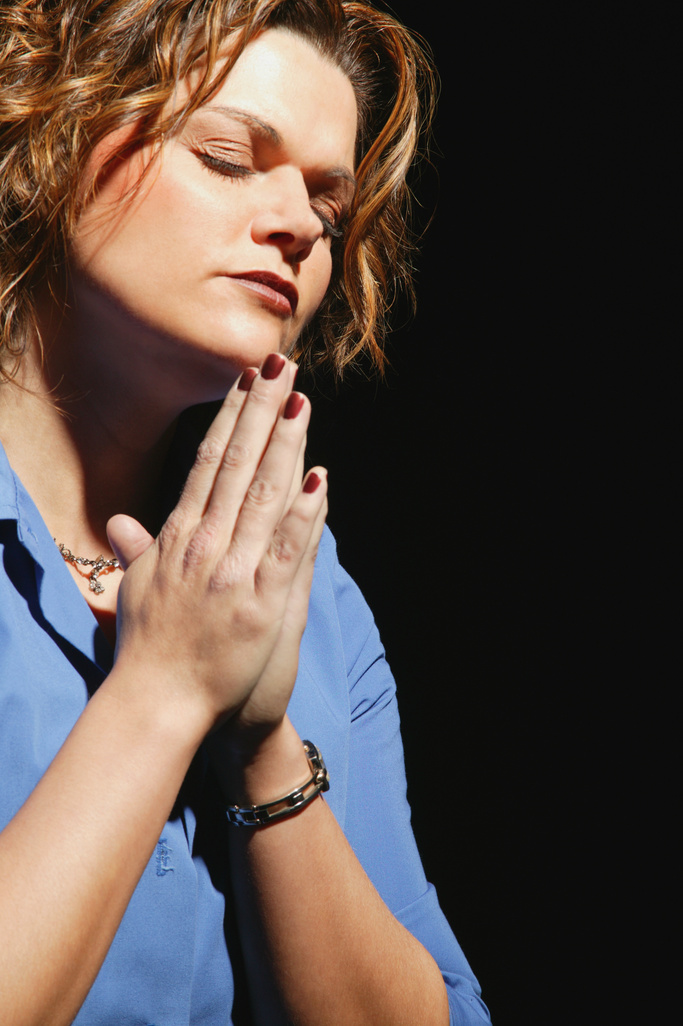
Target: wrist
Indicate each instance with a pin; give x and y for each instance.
(163, 712)
(257, 772)
(288, 804)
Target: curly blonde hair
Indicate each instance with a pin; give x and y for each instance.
(73, 71)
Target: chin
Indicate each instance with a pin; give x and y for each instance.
(207, 372)
(233, 357)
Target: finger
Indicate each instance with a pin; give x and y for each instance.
(298, 474)
(202, 476)
(297, 606)
(268, 701)
(241, 479)
(292, 370)
(276, 481)
(279, 674)
(291, 553)
(127, 538)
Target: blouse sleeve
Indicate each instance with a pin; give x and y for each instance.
(377, 814)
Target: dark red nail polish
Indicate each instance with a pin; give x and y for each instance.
(311, 483)
(272, 366)
(246, 379)
(293, 406)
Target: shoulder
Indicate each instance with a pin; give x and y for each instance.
(336, 598)
(327, 559)
(331, 576)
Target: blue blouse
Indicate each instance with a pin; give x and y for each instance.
(176, 958)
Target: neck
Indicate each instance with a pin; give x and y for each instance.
(81, 464)
(87, 424)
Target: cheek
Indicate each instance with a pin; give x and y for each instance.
(106, 221)
(138, 223)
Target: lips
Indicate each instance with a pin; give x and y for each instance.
(271, 287)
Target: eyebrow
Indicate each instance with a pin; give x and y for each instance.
(273, 136)
(262, 127)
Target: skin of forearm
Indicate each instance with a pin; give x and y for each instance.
(335, 953)
(72, 856)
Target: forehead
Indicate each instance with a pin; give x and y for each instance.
(282, 81)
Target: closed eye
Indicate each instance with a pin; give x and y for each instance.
(237, 172)
(224, 168)
(330, 229)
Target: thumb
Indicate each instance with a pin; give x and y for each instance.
(127, 538)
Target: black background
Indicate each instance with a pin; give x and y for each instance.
(481, 497)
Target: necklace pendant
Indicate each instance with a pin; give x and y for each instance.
(98, 565)
(94, 584)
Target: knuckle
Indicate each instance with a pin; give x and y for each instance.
(171, 531)
(259, 395)
(234, 401)
(209, 453)
(237, 455)
(299, 520)
(261, 492)
(200, 546)
(222, 580)
(284, 550)
(230, 573)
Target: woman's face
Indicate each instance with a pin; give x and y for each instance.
(226, 249)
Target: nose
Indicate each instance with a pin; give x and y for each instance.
(285, 217)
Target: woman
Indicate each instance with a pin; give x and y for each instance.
(191, 191)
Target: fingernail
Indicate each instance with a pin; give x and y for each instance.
(272, 366)
(311, 483)
(246, 379)
(293, 406)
